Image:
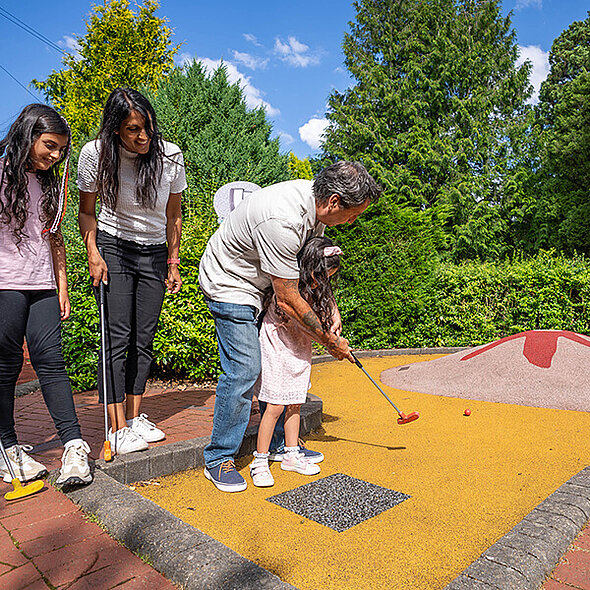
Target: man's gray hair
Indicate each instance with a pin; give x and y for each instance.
(350, 181)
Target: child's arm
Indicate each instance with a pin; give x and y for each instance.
(58, 254)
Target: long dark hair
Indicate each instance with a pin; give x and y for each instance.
(316, 259)
(120, 104)
(15, 149)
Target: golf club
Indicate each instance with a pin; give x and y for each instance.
(108, 456)
(403, 418)
(18, 491)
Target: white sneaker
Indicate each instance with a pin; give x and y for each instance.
(146, 429)
(126, 441)
(260, 473)
(24, 466)
(74, 465)
(297, 462)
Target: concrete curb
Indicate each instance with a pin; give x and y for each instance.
(524, 557)
(182, 553)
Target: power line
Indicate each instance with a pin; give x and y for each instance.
(19, 83)
(19, 23)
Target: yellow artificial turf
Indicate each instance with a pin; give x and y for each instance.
(471, 479)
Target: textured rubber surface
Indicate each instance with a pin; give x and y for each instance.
(471, 480)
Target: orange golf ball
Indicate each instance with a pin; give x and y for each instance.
(467, 412)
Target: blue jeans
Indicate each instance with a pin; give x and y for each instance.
(239, 352)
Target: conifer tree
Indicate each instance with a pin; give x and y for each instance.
(435, 107)
(563, 214)
(221, 138)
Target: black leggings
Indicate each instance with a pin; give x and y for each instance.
(133, 301)
(36, 315)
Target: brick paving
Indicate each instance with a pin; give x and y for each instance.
(27, 374)
(45, 540)
(573, 571)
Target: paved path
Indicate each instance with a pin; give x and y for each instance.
(47, 542)
(573, 571)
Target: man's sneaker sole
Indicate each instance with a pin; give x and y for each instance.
(150, 439)
(7, 477)
(238, 487)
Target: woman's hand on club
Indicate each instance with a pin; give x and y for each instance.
(173, 282)
(98, 269)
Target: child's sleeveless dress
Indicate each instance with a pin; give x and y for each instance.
(286, 360)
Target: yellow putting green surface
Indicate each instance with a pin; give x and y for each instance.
(471, 479)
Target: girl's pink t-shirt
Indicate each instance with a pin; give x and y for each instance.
(30, 264)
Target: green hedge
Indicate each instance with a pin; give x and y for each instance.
(475, 303)
(393, 292)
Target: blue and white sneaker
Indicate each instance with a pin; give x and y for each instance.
(311, 456)
(225, 477)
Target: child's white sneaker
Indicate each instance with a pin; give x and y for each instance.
(297, 462)
(260, 473)
(74, 465)
(126, 440)
(25, 467)
(146, 429)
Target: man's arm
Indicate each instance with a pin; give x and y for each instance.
(290, 301)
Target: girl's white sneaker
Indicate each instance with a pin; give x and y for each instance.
(261, 475)
(74, 465)
(25, 467)
(297, 462)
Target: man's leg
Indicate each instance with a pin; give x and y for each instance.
(239, 353)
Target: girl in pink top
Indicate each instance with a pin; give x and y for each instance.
(286, 360)
(32, 266)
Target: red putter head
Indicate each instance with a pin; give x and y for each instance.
(406, 419)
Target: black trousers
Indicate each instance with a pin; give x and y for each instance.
(133, 301)
(36, 315)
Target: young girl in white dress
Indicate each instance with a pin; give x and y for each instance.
(286, 360)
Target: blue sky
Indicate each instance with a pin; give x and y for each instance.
(287, 56)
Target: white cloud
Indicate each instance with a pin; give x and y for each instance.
(252, 39)
(286, 138)
(520, 4)
(295, 53)
(252, 95)
(71, 44)
(540, 62)
(184, 59)
(250, 61)
(312, 132)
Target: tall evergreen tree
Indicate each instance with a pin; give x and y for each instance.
(221, 138)
(434, 111)
(563, 216)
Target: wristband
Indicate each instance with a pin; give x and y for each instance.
(173, 260)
